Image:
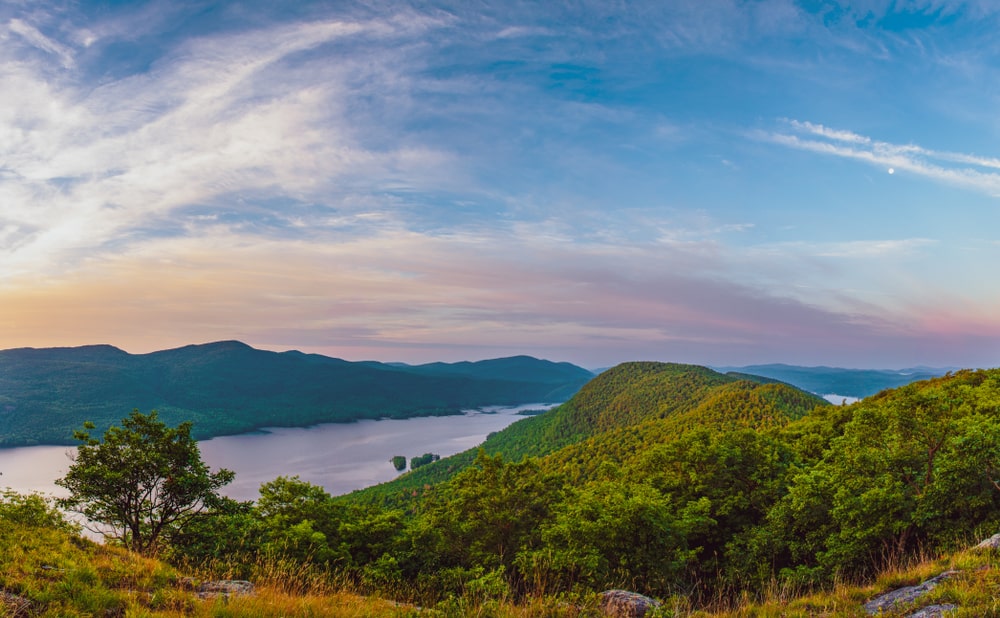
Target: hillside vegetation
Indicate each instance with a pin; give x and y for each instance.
(229, 387)
(612, 406)
(718, 495)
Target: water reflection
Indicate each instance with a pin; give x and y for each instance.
(341, 457)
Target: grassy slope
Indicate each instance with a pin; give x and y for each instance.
(61, 574)
(64, 575)
(974, 591)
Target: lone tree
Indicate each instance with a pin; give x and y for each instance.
(141, 480)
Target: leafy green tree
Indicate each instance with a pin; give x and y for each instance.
(487, 513)
(398, 462)
(913, 468)
(31, 510)
(143, 479)
(423, 460)
(233, 531)
(614, 533)
(300, 521)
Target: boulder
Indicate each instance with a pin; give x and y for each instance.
(902, 596)
(625, 604)
(225, 588)
(934, 611)
(991, 543)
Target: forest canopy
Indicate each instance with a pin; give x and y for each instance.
(660, 478)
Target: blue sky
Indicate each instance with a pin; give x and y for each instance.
(713, 181)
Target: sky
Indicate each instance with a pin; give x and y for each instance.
(718, 182)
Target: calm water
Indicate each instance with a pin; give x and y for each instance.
(341, 457)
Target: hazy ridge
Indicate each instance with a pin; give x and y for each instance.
(229, 387)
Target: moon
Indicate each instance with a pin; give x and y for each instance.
(892, 171)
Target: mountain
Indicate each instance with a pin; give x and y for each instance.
(858, 383)
(624, 410)
(229, 387)
(678, 480)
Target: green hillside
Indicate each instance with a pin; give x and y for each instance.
(229, 387)
(701, 489)
(676, 479)
(632, 403)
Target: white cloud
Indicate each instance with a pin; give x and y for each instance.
(833, 134)
(220, 120)
(32, 35)
(915, 159)
(515, 32)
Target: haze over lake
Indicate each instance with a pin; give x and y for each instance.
(341, 457)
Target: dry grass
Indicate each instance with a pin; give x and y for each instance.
(64, 575)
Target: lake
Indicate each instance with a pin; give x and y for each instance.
(341, 457)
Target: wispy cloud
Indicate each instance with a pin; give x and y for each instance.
(35, 38)
(505, 177)
(220, 122)
(925, 162)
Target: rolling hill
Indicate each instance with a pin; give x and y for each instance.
(625, 409)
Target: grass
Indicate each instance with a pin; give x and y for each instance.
(63, 574)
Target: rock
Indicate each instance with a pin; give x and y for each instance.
(187, 583)
(934, 611)
(625, 604)
(14, 605)
(225, 588)
(908, 594)
(991, 543)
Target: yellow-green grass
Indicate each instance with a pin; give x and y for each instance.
(65, 575)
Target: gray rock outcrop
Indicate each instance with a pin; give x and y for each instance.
(903, 596)
(625, 604)
(991, 543)
(934, 611)
(225, 588)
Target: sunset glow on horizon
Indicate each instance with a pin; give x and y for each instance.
(715, 182)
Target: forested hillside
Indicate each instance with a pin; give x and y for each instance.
(229, 387)
(659, 397)
(671, 479)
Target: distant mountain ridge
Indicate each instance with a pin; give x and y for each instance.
(821, 380)
(230, 387)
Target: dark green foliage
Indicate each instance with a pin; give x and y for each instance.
(141, 480)
(613, 534)
(617, 414)
(422, 460)
(665, 479)
(909, 469)
(487, 513)
(31, 510)
(229, 387)
(398, 462)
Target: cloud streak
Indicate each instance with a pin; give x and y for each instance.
(928, 163)
(221, 122)
(391, 181)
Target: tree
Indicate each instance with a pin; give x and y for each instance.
(142, 480)
(423, 460)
